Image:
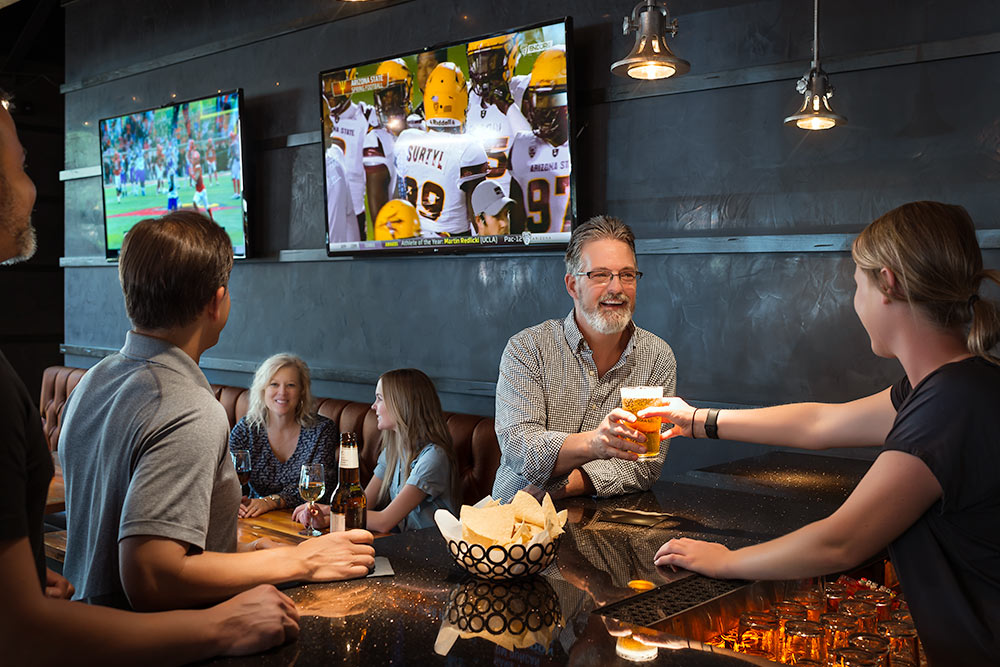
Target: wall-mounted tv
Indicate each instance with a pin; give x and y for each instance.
(183, 155)
(408, 139)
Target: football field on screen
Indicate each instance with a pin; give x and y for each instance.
(226, 211)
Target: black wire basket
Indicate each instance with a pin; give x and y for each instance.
(498, 563)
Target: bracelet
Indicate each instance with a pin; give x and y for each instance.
(694, 418)
(276, 499)
(711, 423)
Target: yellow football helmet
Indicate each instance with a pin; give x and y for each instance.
(546, 98)
(445, 98)
(392, 101)
(337, 88)
(397, 219)
(491, 64)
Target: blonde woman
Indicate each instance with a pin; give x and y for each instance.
(416, 473)
(932, 496)
(282, 432)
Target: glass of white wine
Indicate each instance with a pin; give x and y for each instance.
(312, 486)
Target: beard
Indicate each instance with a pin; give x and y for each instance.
(609, 322)
(17, 227)
(25, 242)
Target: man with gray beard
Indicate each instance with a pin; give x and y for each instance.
(558, 416)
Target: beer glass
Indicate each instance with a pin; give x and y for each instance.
(635, 399)
(881, 600)
(803, 640)
(758, 634)
(874, 644)
(838, 628)
(864, 612)
(902, 641)
(312, 486)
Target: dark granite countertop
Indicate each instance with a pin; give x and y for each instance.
(399, 619)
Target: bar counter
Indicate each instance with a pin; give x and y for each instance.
(416, 615)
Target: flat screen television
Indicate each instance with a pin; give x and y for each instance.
(416, 145)
(183, 155)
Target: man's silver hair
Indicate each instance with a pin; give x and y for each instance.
(598, 228)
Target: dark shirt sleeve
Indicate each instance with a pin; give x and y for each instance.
(13, 475)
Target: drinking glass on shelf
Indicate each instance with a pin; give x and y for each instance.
(241, 461)
(312, 486)
(758, 634)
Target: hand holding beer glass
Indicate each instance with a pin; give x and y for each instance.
(635, 399)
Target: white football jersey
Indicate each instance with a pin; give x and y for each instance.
(430, 169)
(378, 151)
(348, 131)
(543, 173)
(341, 220)
(494, 129)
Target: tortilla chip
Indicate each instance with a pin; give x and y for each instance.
(526, 508)
(494, 524)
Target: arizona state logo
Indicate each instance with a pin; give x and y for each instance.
(531, 151)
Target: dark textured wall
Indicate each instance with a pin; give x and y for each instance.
(706, 158)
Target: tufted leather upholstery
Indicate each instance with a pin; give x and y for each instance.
(476, 447)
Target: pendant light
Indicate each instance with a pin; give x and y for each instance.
(815, 112)
(650, 58)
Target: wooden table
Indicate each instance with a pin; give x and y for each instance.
(56, 500)
(276, 526)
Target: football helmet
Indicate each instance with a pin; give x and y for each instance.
(337, 89)
(491, 65)
(392, 101)
(397, 219)
(545, 99)
(445, 98)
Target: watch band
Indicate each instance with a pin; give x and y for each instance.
(712, 424)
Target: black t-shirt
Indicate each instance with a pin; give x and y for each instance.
(25, 466)
(949, 560)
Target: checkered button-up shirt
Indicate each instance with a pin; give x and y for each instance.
(548, 388)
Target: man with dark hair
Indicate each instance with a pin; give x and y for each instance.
(557, 416)
(151, 492)
(39, 627)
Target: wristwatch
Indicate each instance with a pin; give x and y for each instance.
(274, 498)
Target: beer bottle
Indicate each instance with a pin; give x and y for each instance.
(348, 506)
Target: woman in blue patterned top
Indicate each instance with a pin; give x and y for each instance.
(282, 432)
(416, 473)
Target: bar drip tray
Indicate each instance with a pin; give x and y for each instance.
(670, 599)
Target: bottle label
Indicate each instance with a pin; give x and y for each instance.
(337, 523)
(348, 457)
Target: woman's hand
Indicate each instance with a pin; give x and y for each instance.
(708, 558)
(675, 411)
(316, 517)
(256, 506)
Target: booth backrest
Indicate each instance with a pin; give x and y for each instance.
(476, 447)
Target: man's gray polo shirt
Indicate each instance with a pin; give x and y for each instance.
(144, 450)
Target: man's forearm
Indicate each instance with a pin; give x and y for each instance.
(575, 451)
(577, 484)
(157, 576)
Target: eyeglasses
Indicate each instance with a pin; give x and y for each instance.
(625, 277)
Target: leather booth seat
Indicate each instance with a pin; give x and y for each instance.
(476, 447)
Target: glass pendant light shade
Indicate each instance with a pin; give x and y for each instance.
(650, 57)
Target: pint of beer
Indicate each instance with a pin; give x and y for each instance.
(635, 399)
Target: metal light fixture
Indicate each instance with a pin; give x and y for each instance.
(815, 112)
(650, 58)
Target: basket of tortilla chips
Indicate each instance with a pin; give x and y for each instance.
(496, 541)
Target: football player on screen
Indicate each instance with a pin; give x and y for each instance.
(437, 169)
(200, 193)
(398, 219)
(348, 123)
(392, 105)
(426, 62)
(539, 160)
(494, 115)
